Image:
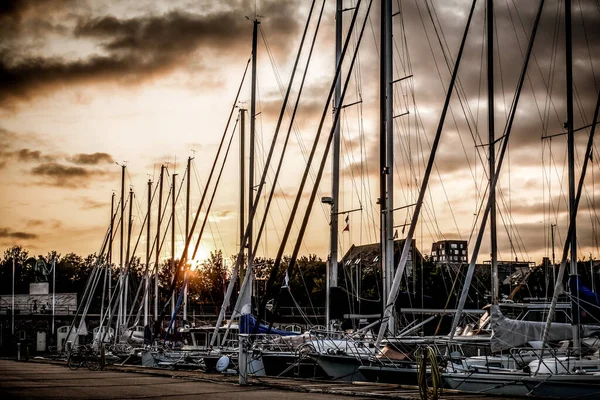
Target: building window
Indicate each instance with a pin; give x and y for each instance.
(453, 245)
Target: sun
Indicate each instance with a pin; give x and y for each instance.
(201, 256)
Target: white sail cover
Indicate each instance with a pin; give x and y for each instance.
(508, 333)
(245, 302)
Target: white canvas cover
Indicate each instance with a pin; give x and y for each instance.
(508, 333)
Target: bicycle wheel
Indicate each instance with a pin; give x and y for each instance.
(93, 362)
(75, 360)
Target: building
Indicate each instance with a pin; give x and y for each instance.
(450, 252)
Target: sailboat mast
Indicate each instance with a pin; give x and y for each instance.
(110, 245)
(386, 51)
(252, 134)
(492, 154)
(173, 272)
(242, 185)
(127, 259)
(146, 278)
(571, 159)
(122, 230)
(382, 159)
(157, 258)
(187, 232)
(332, 264)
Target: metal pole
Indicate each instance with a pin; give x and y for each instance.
(242, 185)
(571, 160)
(252, 136)
(127, 259)
(147, 278)
(157, 259)
(122, 231)
(110, 244)
(382, 159)
(332, 274)
(389, 120)
(173, 272)
(187, 232)
(492, 152)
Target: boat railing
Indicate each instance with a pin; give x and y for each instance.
(276, 342)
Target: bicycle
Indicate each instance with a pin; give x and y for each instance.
(84, 355)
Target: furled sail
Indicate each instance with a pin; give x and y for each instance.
(508, 333)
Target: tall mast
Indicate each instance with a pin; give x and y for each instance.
(242, 184)
(110, 245)
(173, 272)
(127, 259)
(252, 134)
(382, 159)
(147, 278)
(389, 120)
(492, 153)
(122, 230)
(571, 160)
(157, 259)
(187, 232)
(332, 274)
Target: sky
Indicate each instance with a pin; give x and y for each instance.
(89, 86)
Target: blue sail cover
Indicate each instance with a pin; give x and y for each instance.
(247, 323)
(589, 304)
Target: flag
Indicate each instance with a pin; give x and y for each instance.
(347, 218)
(347, 228)
(395, 234)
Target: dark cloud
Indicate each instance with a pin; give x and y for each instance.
(27, 155)
(66, 176)
(45, 223)
(7, 233)
(137, 49)
(91, 159)
(34, 222)
(88, 203)
(34, 18)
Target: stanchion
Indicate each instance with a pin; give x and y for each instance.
(243, 359)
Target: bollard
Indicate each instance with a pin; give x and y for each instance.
(18, 351)
(102, 357)
(243, 359)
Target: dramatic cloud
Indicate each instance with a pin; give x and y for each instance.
(65, 175)
(91, 159)
(7, 233)
(136, 49)
(27, 155)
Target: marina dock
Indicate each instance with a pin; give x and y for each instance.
(42, 379)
